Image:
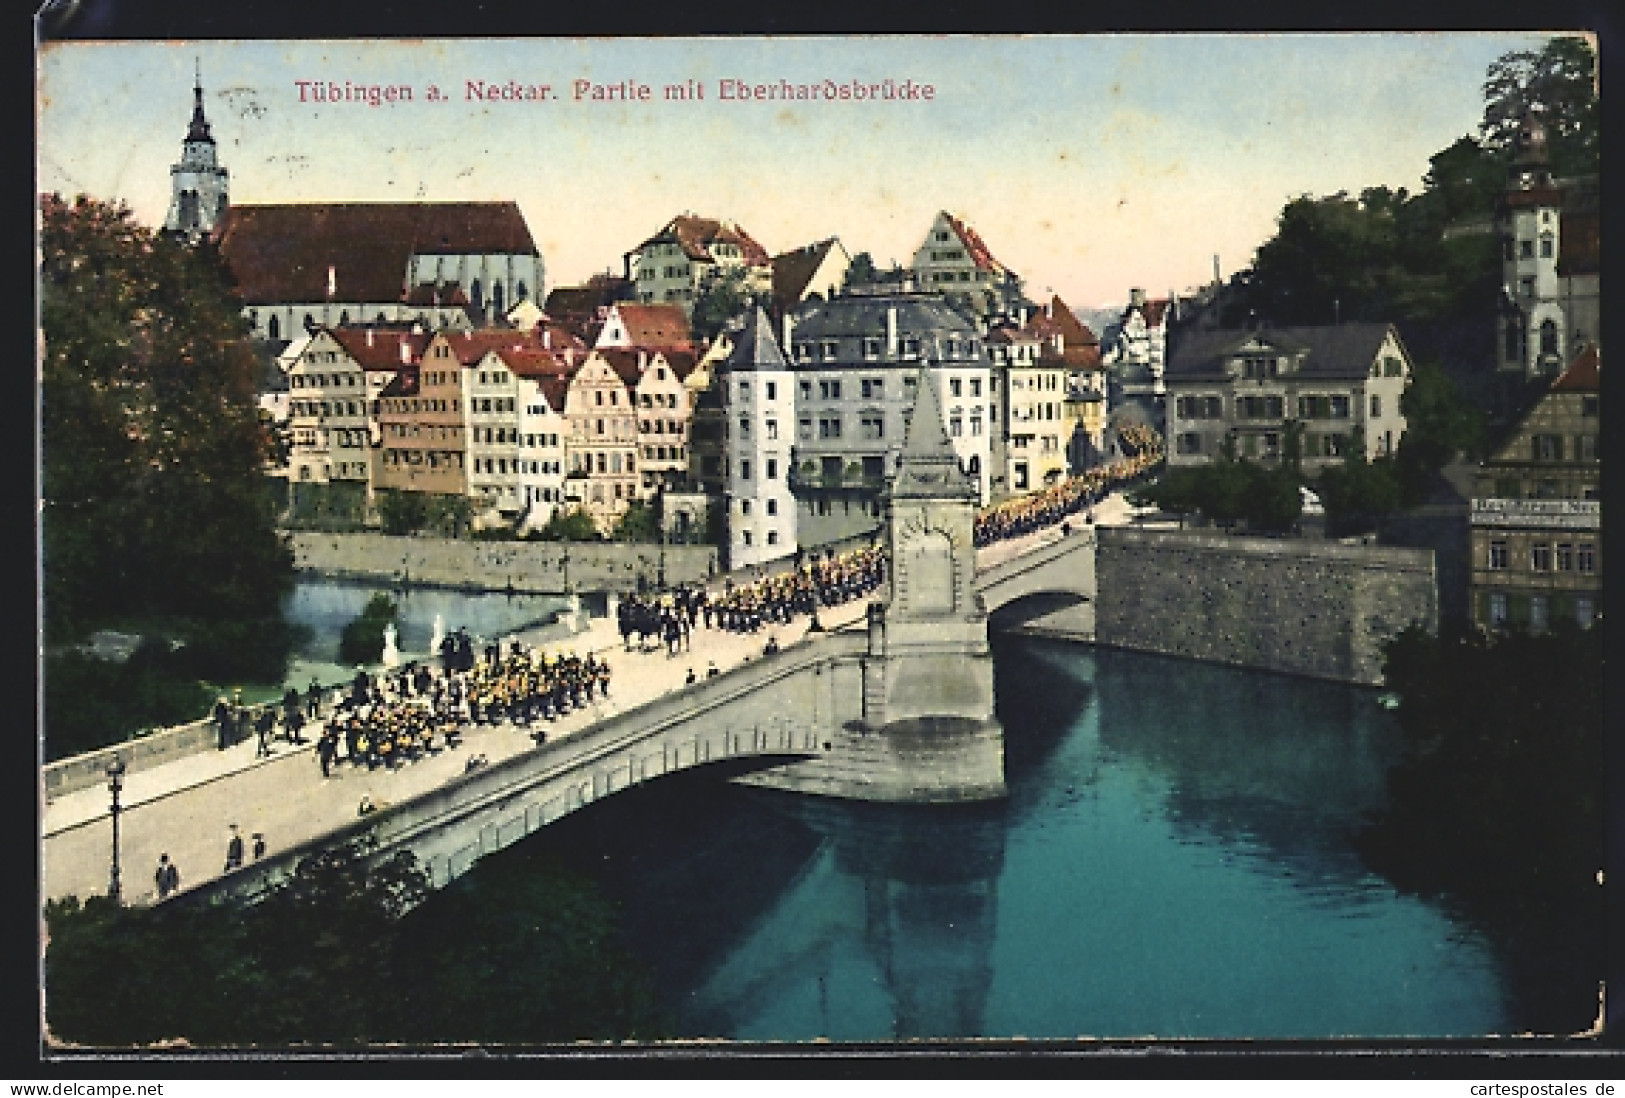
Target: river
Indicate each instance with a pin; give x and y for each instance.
(1173, 861)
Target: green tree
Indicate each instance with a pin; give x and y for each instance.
(362, 640)
(574, 524)
(725, 297)
(1497, 805)
(1439, 425)
(640, 523)
(153, 453)
(861, 271)
(1557, 82)
(403, 512)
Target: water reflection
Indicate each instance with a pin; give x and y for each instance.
(326, 606)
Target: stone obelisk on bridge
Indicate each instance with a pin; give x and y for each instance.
(927, 731)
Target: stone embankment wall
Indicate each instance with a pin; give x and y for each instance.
(1314, 608)
(546, 568)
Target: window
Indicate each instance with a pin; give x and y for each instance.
(772, 507)
(744, 390)
(1376, 406)
(745, 538)
(975, 426)
(1526, 286)
(829, 427)
(1548, 337)
(830, 349)
(1585, 447)
(871, 348)
(1539, 613)
(744, 508)
(873, 388)
(770, 390)
(1546, 246)
(954, 387)
(744, 427)
(1585, 612)
(829, 390)
(1540, 557)
(804, 428)
(1189, 443)
(1498, 609)
(1546, 447)
(772, 426)
(1565, 557)
(1589, 406)
(1340, 407)
(872, 427)
(956, 427)
(1498, 556)
(772, 537)
(1526, 249)
(772, 469)
(975, 386)
(1585, 557)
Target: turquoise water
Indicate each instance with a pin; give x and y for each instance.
(1173, 861)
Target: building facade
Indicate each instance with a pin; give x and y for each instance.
(1340, 385)
(676, 263)
(602, 443)
(954, 261)
(1536, 518)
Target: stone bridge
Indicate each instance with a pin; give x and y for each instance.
(901, 710)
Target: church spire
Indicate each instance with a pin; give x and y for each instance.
(199, 129)
(929, 466)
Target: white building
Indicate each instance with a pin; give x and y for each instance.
(758, 388)
(672, 266)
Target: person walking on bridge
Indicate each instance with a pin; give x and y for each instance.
(168, 878)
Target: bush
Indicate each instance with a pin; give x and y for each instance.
(92, 703)
(362, 641)
(403, 512)
(571, 525)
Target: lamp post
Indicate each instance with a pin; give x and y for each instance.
(115, 785)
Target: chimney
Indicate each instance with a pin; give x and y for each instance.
(547, 339)
(1216, 278)
(369, 337)
(332, 282)
(891, 331)
(1021, 315)
(789, 326)
(406, 351)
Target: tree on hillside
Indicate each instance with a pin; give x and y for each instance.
(861, 271)
(1560, 83)
(155, 503)
(1439, 424)
(726, 296)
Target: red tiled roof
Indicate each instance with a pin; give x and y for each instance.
(624, 362)
(380, 348)
(470, 347)
(1584, 374)
(793, 270)
(1154, 312)
(283, 252)
(974, 247)
(697, 234)
(652, 326)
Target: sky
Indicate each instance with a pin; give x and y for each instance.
(1088, 164)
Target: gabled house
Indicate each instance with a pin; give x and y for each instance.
(954, 261)
(818, 268)
(676, 263)
(1341, 384)
(601, 446)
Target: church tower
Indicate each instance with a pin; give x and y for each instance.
(1532, 329)
(198, 182)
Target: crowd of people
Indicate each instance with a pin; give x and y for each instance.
(817, 581)
(1024, 514)
(402, 716)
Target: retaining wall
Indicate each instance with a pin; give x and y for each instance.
(1314, 608)
(545, 568)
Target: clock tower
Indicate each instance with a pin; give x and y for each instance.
(198, 184)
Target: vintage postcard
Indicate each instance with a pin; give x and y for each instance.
(819, 542)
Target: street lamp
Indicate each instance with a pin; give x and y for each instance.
(115, 785)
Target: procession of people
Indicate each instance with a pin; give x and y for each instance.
(1015, 517)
